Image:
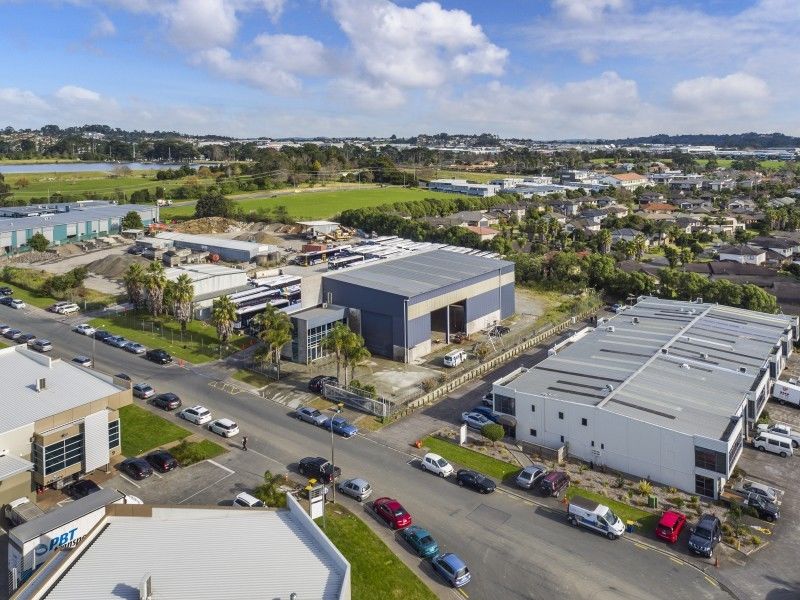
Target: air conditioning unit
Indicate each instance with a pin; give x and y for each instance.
(742, 369)
(610, 329)
(635, 320)
(664, 351)
(685, 366)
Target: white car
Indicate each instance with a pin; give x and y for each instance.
(17, 303)
(85, 329)
(437, 465)
(224, 427)
(761, 490)
(196, 414)
(245, 500)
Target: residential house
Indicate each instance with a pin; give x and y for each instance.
(569, 208)
(781, 202)
(629, 181)
(618, 211)
(485, 233)
(717, 185)
(626, 234)
(585, 225)
(595, 215)
(687, 183)
(554, 216)
(512, 210)
(604, 201)
(742, 204)
(784, 247)
(650, 198)
(658, 207)
(744, 254)
(727, 225)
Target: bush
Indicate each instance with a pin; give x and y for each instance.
(755, 540)
(429, 384)
(270, 492)
(694, 500)
(493, 431)
(38, 242)
(644, 488)
(619, 482)
(677, 501)
(672, 490)
(727, 529)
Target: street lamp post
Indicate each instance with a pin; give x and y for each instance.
(336, 411)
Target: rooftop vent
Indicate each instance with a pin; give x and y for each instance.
(41, 384)
(608, 388)
(704, 356)
(742, 369)
(635, 320)
(664, 351)
(685, 366)
(610, 328)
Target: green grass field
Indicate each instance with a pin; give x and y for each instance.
(376, 571)
(187, 453)
(142, 430)
(647, 521)
(318, 205)
(469, 458)
(33, 280)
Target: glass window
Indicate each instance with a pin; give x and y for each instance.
(562, 439)
(533, 408)
(584, 422)
(710, 460)
(561, 415)
(704, 486)
(504, 404)
(533, 432)
(113, 434)
(62, 454)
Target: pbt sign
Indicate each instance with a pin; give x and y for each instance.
(66, 539)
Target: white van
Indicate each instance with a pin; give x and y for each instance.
(68, 309)
(599, 517)
(454, 358)
(777, 444)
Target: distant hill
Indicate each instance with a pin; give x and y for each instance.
(735, 140)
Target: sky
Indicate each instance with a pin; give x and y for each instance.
(541, 69)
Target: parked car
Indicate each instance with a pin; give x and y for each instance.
(68, 309)
(196, 414)
(6, 291)
(488, 399)
(474, 420)
(82, 488)
(454, 358)
(486, 412)
(705, 535)
(54, 307)
(435, 464)
(4, 328)
(530, 476)
(340, 426)
(777, 444)
(224, 427)
(162, 461)
(115, 340)
(82, 360)
(26, 337)
(452, 569)
(124, 376)
(167, 401)
(162, 357)
(475, 480)
(17, 304)
(245, 500)
(391, 512)
(554, 483)
(101, 335)
(6, 300)
(764, 508)
(670, 525)
(317, 384)
(593, 515)
(356, 488)
(420, 540)
(134, 348)
(41, 345)
(316, 467)
(138, 468)
(782, 429)
(760, 489)
(85, 329)
(143, 390)
(12, 334)
(310, 415)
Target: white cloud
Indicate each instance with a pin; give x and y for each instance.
(103, 27)
(369, 97)
(197, 24)
(734, 94)
(587, 11)
(74, 93)
(14, 98)
(292, 53)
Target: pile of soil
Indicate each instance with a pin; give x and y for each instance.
(67, 250)
(114, 267)
(210, 225)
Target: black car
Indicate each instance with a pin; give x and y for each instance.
(123, 376)
(82, 488)
(101, 335)
(317, 384)
(162, 461)
(705, 535)
(26, 337)
(763, 508)
(474, 480)
(12, 334)
(168, 401)
(316, 467)
(138, 468)
(6, 300)
(159, 356)
(6, 291)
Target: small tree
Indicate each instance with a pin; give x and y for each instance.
(132, 220)
(38, 242)
(270, 492)
(494, 432)
(22, 182)
(223, 316)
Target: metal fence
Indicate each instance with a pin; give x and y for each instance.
(358, 399)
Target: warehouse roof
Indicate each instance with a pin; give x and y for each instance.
(201, 271)
(67, 386)
(681, 365)
(78, 214)
(420, 273)
(13, 465)
(204, 553)
(211, 242)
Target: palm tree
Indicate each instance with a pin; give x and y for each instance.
(134, 284)
(604, 241)
(276, 332)
(353, 354)
(334, 343)
(182, 297)
(223, 316)
(639, 246)
(155, 284)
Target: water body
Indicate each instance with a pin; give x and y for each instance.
(82, 167)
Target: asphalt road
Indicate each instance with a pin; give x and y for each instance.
(514, 548)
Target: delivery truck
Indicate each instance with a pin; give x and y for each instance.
(786, 393)
(21, 511)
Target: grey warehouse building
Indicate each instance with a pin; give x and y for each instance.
(399, 305)
(228, 250)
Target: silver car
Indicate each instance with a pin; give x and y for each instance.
(530, 476)
(311, 415)
(355, 488)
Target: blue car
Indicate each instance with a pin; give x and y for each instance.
(486, 412)
(452, 568)
(340, 426)
(420, 540)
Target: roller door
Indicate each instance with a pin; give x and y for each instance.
(377, 332)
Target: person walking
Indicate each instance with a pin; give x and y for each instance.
(244, 443)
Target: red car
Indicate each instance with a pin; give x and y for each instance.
(392, 513)
(670, 525)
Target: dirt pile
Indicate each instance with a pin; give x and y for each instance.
(210, 225)
(114, 267)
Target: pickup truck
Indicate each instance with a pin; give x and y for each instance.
(765, 509)
(782, 429)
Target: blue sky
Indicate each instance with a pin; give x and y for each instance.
(544, 69)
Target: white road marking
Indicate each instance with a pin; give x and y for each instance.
(208, 487)
(130, 481)
(224, 468)
(277, 462)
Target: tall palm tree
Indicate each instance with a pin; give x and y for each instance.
(155, 284)
(134, 284)
(334, 343)
(354, 354)
(639, 246)
(182, 297)
(223, 316)
(277, 336)
(604, 240)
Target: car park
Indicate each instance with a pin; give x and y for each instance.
(41, 345)
(356, 488)
(101, 335)
(391, 512)
(486, 412)
(197, 414)
(82, 488)
(316, 467)
(162, 461)
(705, 535)
(474, 420)
(85, 329)
(143, 390)
(670, 526)
(433, 463)
(134, 348)
(340, 426)
(554, 483)
(115, 340)
(17, 304)
(593, 515)
(224, 427)
(167, 401)
(245, 500)
(310, 415)
(83, 361)
(777, 444)
(475, 480)
(317, 384)
(138, 468)
(420, 540)
(157, 355)
(452, 569)
(529, 477)
(12, 334)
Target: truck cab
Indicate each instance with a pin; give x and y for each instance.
(592, 515)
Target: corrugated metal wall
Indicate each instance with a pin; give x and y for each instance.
(482, 305)
(507, 302)
(95, 441)
(377, 332)
(419, 330)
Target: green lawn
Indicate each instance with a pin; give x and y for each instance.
(376, 572)
(142, 430)
(469, 458)
(199, 343)
(188, 453)
(647, 521)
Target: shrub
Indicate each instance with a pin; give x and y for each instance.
(671, 490)
(644, 488)
(38, 242)
(677, 501)
(619, 482)
(694, 500)
(755, 540)
(429, 384)
(729, 539)
(727, 529)
(493, 432)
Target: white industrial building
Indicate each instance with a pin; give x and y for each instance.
(227, 249)
(210, 281)
(666, 390)
(462, 186)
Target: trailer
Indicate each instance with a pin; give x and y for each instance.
(21, 511)
(786, 393)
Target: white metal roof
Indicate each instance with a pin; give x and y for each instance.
(67, 386)
(13, 465)
(211, 241)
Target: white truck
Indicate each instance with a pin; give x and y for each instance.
(588, 513)
(21, 511)
(786, 392)
(782, 429)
